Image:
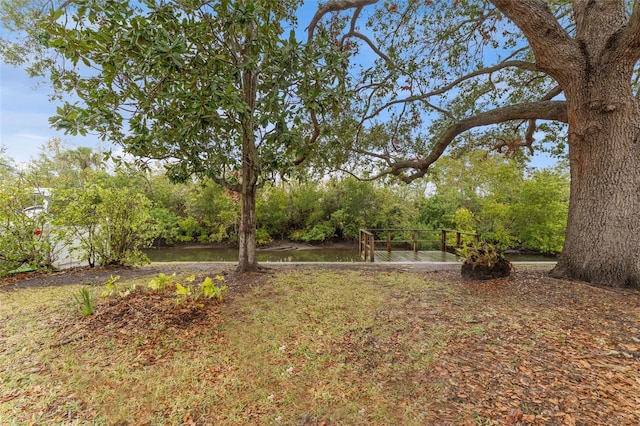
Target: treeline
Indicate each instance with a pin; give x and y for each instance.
(114, 209)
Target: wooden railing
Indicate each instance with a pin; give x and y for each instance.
(367, 239)
(367, 245)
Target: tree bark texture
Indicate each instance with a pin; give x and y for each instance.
(602, 244)
(247, 233)
(594, 69)
(250, 172)
(247, 261)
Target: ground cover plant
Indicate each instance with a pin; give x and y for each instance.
(322, 346)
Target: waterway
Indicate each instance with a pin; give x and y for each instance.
(200, 254)
(316, 254)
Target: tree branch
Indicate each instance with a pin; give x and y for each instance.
(552, 46)
(631, 35)
(545, 110)
(335, 6)
(518, 64)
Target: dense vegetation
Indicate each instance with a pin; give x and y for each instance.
(114, 208)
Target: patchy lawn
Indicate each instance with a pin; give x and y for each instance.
(326, 347)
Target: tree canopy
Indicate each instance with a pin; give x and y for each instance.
(439, 76)
(427, 77)
(221, 89)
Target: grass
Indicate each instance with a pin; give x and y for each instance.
(320, 347)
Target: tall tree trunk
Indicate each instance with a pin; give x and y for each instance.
(250, 166)
(602, 242)
(247, 234)
(594, 66)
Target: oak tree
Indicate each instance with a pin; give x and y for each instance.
(438, 76)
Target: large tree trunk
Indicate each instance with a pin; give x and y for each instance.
(602, 242)
(594, 66)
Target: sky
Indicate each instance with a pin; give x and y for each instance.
(24, 116)
(25, 109)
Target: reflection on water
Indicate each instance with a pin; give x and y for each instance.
(182, 254)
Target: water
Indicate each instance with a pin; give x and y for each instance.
(200, 254)
(513, 257)
(208, 254)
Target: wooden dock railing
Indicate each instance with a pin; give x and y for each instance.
(369, 237)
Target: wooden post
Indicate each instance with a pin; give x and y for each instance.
(415, 241)
(389, 241)
(443, 240)
(360, 252)
(458, 239)
(372, 247)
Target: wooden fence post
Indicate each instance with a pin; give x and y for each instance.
(443, 240)
(372, 247)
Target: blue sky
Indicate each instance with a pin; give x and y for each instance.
(25, 109)
(24, 116)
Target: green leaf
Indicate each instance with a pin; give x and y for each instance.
(182, 291)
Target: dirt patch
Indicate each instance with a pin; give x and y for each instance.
(99, 275)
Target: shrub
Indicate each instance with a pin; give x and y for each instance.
(483, 262)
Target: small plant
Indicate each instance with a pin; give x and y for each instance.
(84, 302)
(483, 262)
(212, 291)
(161, 282)
(110, 286)
(480, 254)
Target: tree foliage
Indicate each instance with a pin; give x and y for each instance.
(438, 81)
(507, 75)
(220, 89)
(107, 225)
(107, 213)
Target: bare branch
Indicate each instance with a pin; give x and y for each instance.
(545, 110)
(518, 64)
(335, 6)
(552, 93)
(532, 126)
(631, 35)
(369, 43)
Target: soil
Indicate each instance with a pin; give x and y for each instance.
(99, 275)
(84, 275)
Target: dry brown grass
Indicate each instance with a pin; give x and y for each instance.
(318, 346)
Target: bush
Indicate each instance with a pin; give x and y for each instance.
(26, 240)
(108, 225)
(484, 262)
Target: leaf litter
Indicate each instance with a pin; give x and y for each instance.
(523, 350)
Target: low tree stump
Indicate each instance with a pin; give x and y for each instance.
(480, 271)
